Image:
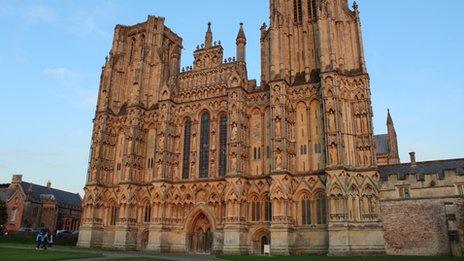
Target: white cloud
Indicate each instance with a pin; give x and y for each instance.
(64, 75)
(38, 14)
(70, 88)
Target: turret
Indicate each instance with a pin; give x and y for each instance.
(241, 45)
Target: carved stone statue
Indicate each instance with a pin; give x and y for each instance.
(234, 132)
(233, 162)
(278, 159)
(278, 127)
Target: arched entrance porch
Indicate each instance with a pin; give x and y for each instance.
(143, 240)
(200, 235)
(260, 238)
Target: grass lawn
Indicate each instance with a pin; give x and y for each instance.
(7, 254)
(325, 258)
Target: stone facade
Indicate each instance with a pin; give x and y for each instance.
(30, 205)
(422, 206)
(204, 159)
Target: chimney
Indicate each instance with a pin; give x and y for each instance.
(17, 179)
(412, 156)
(49, 184)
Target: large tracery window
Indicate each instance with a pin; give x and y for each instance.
(204, 144)
(223, 145)
(306, 210)
(186, 152)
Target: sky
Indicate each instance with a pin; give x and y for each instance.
(51, 53)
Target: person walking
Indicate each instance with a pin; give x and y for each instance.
(39, 240)
(45, 241)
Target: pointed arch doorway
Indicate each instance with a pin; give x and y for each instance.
(201, 235)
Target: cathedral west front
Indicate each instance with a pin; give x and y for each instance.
(203, 159)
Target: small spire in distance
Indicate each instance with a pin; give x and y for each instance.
(389, 118)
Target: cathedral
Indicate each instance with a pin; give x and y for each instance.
(203, 159)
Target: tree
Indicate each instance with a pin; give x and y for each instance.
(3, 213)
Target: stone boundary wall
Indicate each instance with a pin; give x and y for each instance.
(420, 226)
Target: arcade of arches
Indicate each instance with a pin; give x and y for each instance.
(204, 159)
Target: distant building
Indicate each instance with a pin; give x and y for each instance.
(31, 205)
(422, 207)
(386, 145)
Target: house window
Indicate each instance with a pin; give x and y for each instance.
(223, 122)
(305, 211)
(204, 144)
(186, 152)
(405, 192)
(13, 215)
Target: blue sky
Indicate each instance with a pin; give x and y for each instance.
(51, 53)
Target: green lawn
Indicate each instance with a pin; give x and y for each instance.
(325, 258)
(12, 254)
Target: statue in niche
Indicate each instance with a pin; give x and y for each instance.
(178, 146)
(161, 142)
(159, 170)
(213, 166)
(194, 142)
(331, 120)
(278, 127)
(333, 154)
(278, 159)
(233, 162)
(192, 168)
(234, 132)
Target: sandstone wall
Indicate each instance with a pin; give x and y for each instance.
(420, 226)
